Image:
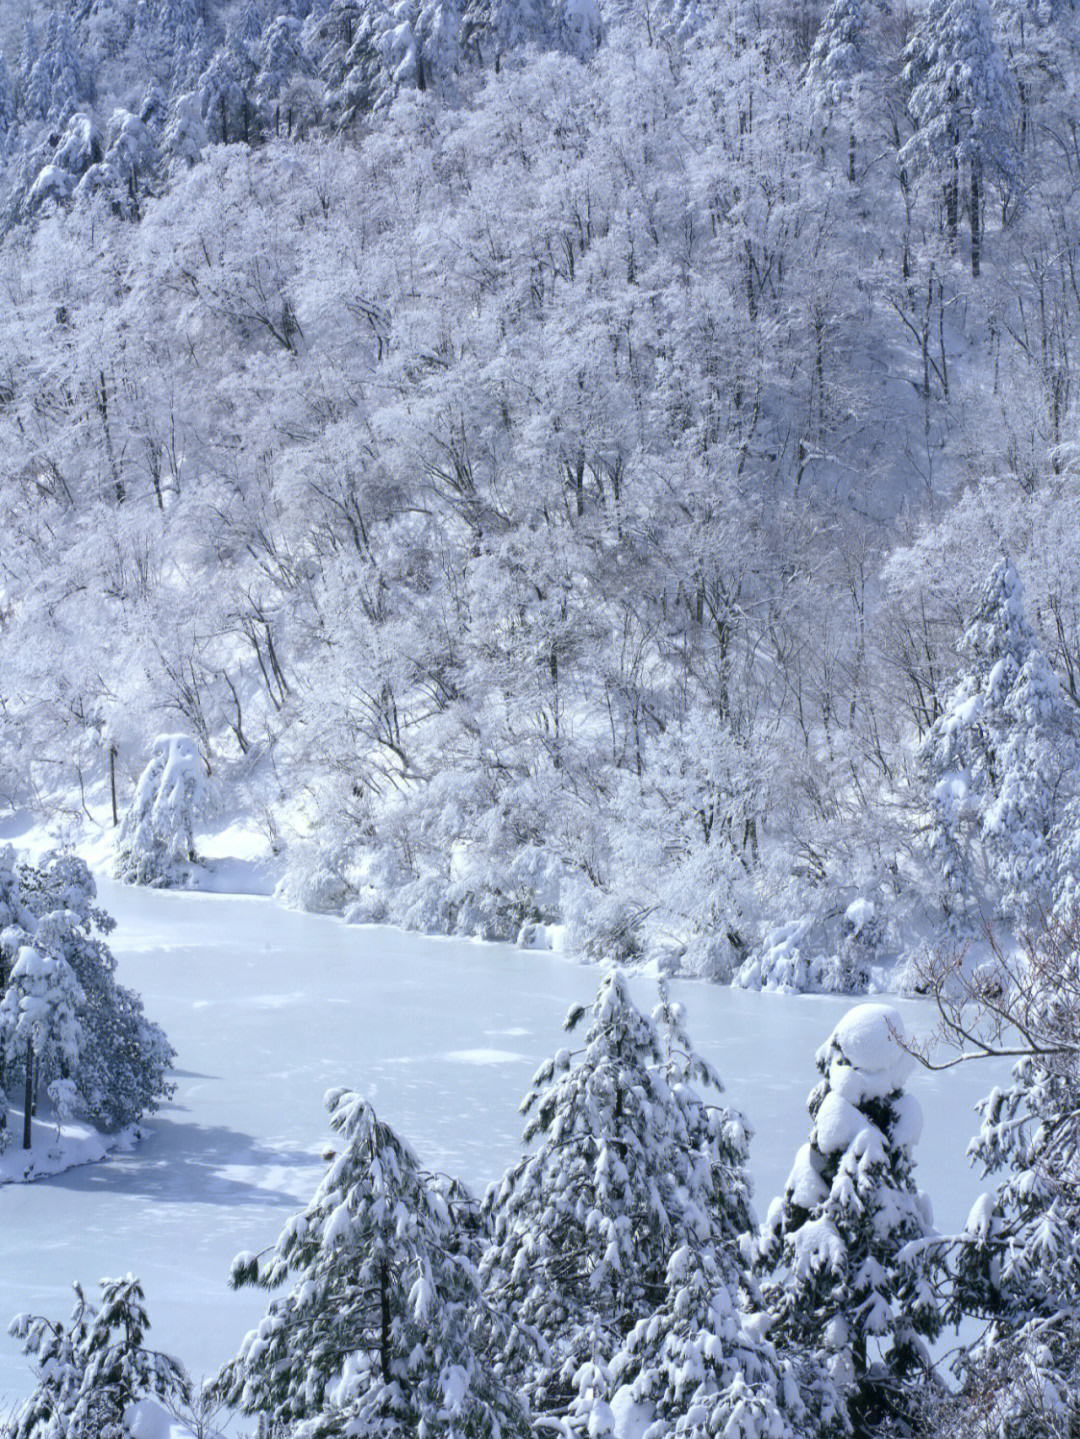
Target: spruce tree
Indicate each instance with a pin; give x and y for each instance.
(840, 1286)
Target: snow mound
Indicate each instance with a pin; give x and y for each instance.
(838, 1122)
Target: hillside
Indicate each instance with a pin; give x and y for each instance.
(547, 458)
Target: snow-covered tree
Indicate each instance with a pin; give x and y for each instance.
(185, 136)
(841, 56)
(629, 1165)
(1002, 759)
(840, 1284)
(7, 106)
(93, 1370)
(961, 96)
(156, 843)
(57, 80)
(699, 1364)
(384, 1331)
(116, 1059)
(39, 1021)
(1016, 1267)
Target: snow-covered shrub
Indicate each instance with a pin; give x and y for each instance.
(93, 1370)
(831, 954)
(156, 843)
(841, 1285)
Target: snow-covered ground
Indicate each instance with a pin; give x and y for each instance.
(269, 1007)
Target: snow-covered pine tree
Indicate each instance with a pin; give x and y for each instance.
(8, 120)
(92, 1371)
(629, 1166)
(156, 842)
(1017, 1266)
(40, 1027)
(283, 86)
(57, 80)
(839, 62)
(833, 1242)
(13, 922)
(123, 1059)
(698, 1365)
(961, 96)
(1002, 760)
(384, 1330)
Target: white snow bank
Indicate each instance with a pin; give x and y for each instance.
(51, 1153)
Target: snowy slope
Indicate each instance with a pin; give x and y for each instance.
(269, 1007)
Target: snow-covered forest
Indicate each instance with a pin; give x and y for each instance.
(599, 475)
(548, 457)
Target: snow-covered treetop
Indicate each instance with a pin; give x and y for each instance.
(837, 1237)
(864, 1057)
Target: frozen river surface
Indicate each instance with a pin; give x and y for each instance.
(268, 1008)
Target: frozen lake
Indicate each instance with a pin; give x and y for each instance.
(268, 1008)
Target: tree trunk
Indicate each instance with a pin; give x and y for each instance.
(952, 202)
(384, 1318)
(28, 1098)
(851, 158)
(974, 215)
(112, 784)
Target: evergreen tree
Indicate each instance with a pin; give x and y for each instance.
(410, 44)
(1003, 757)
(91, 1371)
(629, 1166)
(699, 1366)
(283, 89)
(156, 843)
(1016, 1268)
(841, 1287)
(116, 1059)
(960, 97)
(841, 57)
(383, 1332)
(8, 119)
(56, 80)
(40, 1027)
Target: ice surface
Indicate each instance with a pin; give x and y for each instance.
(391, 1015)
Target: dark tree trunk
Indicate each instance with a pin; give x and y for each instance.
(384, 1317)
(974, 215)
(112, 784)
(28, 1099)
